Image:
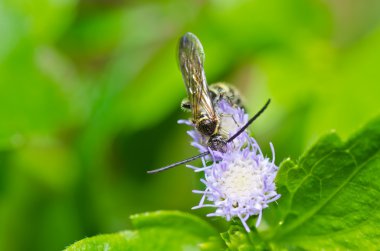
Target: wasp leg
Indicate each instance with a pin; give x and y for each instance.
(186, 105)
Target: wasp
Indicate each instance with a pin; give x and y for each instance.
(202, 100)
(219, 92)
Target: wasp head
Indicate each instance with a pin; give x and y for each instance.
(217, 143)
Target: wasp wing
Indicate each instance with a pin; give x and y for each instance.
(191, 59)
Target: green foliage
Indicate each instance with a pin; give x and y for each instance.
(162, 230)
(329, 201)
(90, 94)
(237, 239)
(330, 198)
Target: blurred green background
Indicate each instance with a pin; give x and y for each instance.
(90, 94)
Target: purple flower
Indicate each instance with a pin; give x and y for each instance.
(240, 185)
(240, 182)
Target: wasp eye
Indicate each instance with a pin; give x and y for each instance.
(213, 94)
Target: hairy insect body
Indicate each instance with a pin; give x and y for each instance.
(218, 92)
(223, 91)
(217, 130)
(201, 98)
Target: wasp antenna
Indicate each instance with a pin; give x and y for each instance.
(178, 163)
(249, 122)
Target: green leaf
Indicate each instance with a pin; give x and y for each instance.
(34, 98)
(237, 238)
(162, 230)
(330, 198)
(46, 19)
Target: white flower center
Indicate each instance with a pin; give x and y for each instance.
(241, 181)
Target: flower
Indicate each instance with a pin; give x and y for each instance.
(240, 182)
(240, 185)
